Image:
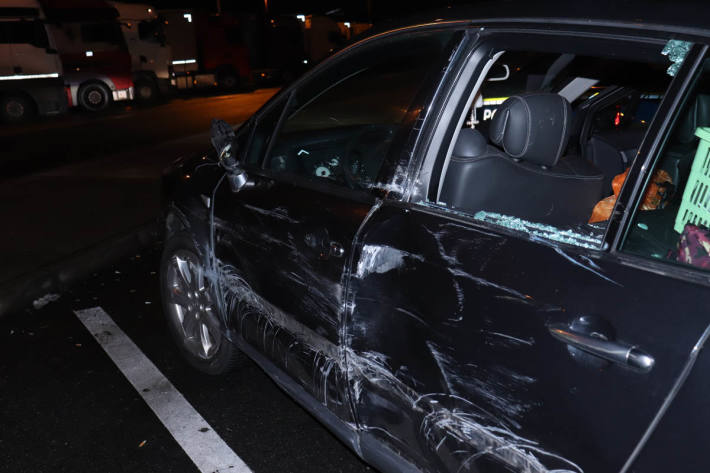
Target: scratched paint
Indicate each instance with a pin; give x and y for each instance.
(449, 420)
(381, 259)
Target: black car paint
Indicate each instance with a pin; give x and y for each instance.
(406, 359)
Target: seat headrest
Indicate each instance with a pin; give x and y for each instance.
(533, 127)
(697, 114)
(470, 143)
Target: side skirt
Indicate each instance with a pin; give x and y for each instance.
(366, 447)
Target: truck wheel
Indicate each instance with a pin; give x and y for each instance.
(94, 97)
(146, 91)
(227, 80)
(15, 108)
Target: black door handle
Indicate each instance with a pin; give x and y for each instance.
(595, 344)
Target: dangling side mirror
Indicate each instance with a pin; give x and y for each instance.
(222, 138)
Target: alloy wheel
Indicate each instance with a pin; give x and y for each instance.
(191, 306)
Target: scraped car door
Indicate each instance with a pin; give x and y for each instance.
(321, 173)
(464, 341)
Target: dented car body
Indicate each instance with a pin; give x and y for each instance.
(429, 338)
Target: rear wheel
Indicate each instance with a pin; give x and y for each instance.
(227, 79)
(94, 97)
(191, 308)
(15, 108)
(146, 91)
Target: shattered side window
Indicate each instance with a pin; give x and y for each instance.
(672, 219)
(550, 136)
(586, 236)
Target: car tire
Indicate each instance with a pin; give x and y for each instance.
(94, 97)
(193, 317)
(146, 91)
(16, 108)
(227, 79)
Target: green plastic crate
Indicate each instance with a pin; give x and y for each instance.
(695, 206)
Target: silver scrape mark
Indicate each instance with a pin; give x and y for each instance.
(583, 266)
(528, 342)
(381, 259)
(413, 316)
(277, 213)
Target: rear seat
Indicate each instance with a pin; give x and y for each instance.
(612, 152)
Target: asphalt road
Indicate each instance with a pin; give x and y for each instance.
(73, 181)
(66, 407)
(79, 136)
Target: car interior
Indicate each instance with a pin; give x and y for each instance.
(549, 139)
(547, 133)
(658, 233)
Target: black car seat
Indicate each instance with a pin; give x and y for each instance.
(527, 178)
(612, 152)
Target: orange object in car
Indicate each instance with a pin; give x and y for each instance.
(656, 193)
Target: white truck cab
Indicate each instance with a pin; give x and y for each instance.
(30, 68)
(143, 30)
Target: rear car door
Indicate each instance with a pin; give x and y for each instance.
(470, 336)
(326, 149)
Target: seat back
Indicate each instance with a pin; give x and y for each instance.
(526, 178)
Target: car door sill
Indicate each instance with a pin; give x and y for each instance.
(366, 447)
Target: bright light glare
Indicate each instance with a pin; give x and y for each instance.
(29, 76)
(188, 17)
(301, 17)
(184, 61)
(89, 53)
(347, 24)
(305, 61)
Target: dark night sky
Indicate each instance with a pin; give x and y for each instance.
(352, 10)
(383, 10)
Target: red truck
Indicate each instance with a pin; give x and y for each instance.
(95, 59)
(208, 49)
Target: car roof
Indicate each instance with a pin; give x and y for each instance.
(679, 19)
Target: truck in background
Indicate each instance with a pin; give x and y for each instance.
(30, 69)
(144, 32)
(325, 34)
(207, 49)
(94, 55)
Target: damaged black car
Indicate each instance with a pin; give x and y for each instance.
(467, 246)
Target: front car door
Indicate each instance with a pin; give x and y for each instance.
(320, 156)
(465, 328)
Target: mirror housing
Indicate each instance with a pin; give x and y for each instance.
(222, 139)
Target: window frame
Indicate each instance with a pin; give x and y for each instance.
(324, 185)
(642, 170)
(481, 51)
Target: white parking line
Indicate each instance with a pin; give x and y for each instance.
(196, 437)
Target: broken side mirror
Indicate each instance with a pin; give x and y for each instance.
(222, 138)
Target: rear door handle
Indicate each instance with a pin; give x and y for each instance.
(616, 352)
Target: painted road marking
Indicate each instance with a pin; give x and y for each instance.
(205, 448)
